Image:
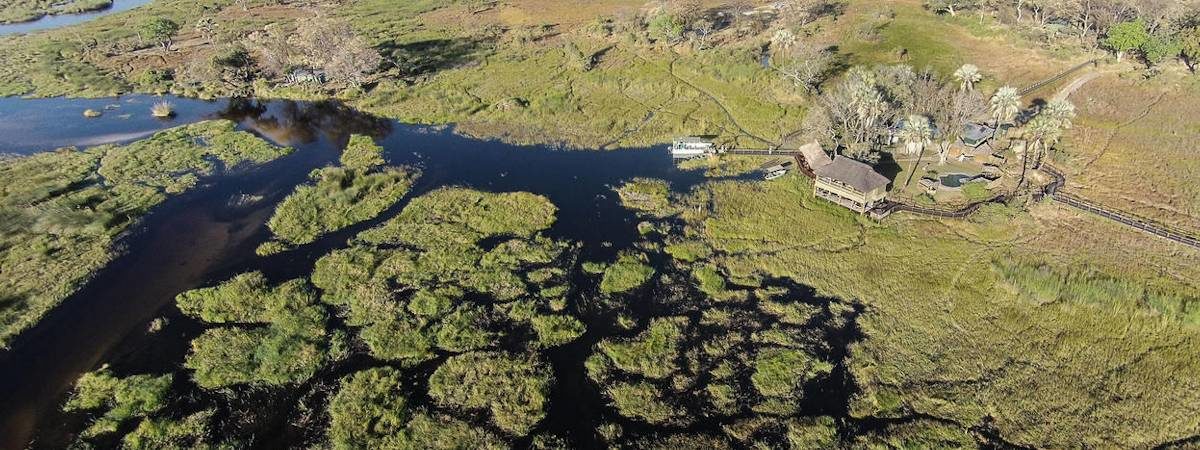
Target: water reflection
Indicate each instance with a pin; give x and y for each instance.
(33, 125)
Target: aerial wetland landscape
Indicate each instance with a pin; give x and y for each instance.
(560, 224)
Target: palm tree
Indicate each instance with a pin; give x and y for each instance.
(967, 76)
(1061, 112)
(1004, 106)
(783, 39)
(1043, 131)
(916, 134)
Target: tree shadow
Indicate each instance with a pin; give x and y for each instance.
(887, 166)
(426, 57)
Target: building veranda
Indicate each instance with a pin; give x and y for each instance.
(852, 184)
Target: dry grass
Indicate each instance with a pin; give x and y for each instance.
(1134, 146)
(945, 336)
(945, 43)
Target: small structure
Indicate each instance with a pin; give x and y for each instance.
(930, 185)
(814, 156)
(776, 171)
(305, 75)
(691, 147)
(975, 135)
(851, 184)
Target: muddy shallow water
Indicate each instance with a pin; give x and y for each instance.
(208, 234)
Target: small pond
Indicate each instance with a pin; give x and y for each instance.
(62, 20)
(955, 180)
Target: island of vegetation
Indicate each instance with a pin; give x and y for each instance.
(65, 211)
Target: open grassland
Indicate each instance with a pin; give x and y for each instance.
(1134, 146)
(948, 334)
(633, 97)
(492, 85)
(903, 31)
(64, 210)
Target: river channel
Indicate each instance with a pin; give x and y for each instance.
(208, 234)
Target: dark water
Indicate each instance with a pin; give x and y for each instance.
(62, 20)
(207, 235)
(955, 180)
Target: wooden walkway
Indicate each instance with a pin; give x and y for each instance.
(1146, 225)
(760, 152)
(1052, 191)
(1041, 84)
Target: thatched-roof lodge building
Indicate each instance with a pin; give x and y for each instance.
(812, 156)
(850, 183)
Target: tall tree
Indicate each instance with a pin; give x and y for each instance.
(858, 113)
(967, 76)
(951, 7)
(1004, 106)
(955, 111)
(1189, 44)
(806, 65)
(1061, 112)
(1126, 37)
(916, 134)
(1042, 133)
(159, 30)
(333, 46)
(1047, 128)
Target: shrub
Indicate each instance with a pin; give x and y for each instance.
(162, 110)
(162, 433)
(646, 195)
(362, 153)
(812, 432)
(780, 372)
(652, 353)
(641, 401)
(629, 272)
(340, 197)
(368, 411)
(711, 282)
(513, 387)
(290, 348)
(553, 330)
(121, 398)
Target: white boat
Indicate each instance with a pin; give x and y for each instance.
(691, 147)
(775, 174)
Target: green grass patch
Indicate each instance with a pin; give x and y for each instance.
(339, 197)
(513, 388)
(627, 273)
(642, 401)
(121, 399)
(652, 353)
(63, 210)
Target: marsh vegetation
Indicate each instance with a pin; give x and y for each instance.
(339, 196)
(737, 313)
(66, 210)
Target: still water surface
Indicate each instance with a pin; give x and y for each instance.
(210, 233)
